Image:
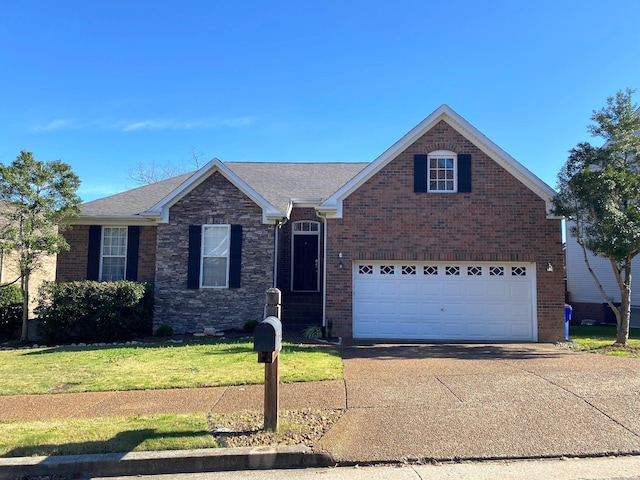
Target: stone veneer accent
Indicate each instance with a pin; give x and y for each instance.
(500, 220)
(214, 201)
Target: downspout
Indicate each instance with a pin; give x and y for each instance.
(275, 255)
(324, 272)
(276, 242)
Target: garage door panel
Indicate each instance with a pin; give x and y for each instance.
(453, 290)
(411, 308)
(419, 300)
(408, 291)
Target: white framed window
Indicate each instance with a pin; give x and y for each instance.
(442, 172)
(305, 227)
(214, 265)
(113, 254)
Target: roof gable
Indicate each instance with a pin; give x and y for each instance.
(270, 214)
(276, 186)
(332, 206)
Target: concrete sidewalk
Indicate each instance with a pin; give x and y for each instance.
(406, 402)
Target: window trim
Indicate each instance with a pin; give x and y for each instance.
(203, 256)
(438, 154)
(102, 255)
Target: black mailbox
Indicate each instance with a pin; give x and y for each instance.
(267, 336)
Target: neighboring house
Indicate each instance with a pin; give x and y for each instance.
(442, 237)
(583, 294)
(10, 273)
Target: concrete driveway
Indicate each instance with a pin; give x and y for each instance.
(426, 401)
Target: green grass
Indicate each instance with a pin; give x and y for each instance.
(156, 366)
(105, 435)
(133, 367)
(599, 339)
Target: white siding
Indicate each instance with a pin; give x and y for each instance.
(580, 284)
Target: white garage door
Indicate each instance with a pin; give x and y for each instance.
(444, 301)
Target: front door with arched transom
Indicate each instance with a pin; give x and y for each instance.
(305, 244)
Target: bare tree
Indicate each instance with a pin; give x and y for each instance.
(145, 173)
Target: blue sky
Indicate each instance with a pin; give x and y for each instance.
(107, 85)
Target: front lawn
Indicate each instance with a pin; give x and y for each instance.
(599, 339)
(78, 436)
(155, 366)
(140, 366)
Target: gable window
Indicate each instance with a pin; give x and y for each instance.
(441, 172)
(114, 254)
(215, 256)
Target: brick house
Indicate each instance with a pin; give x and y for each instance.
(442, 237)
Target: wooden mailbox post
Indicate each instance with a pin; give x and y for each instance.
(267, 341)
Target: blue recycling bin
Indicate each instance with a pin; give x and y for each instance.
(567, 318)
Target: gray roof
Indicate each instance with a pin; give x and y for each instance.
(135, 201)
(278, 183)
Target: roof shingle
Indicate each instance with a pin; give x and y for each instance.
(278, 183)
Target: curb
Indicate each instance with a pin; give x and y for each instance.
(165, 462)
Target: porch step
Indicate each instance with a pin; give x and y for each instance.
(302, 310)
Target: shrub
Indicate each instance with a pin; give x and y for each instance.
(91, 311)
(250, 325)
(10, 294)
(10, 311)
(164, 331)
(312, 332)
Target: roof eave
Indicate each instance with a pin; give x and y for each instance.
(137, 220)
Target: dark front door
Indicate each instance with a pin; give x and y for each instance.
(305, 263)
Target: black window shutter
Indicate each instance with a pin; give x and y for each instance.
(93, 254)
(193, 262)
(133, 247)
(419, 173)
(464, 172)
(235, 256)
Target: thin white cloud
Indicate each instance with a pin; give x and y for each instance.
(150, 124)
(201, 124)
(53, 125)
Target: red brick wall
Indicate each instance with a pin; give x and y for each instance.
(501, 220)
(72, 264)
(587, 311)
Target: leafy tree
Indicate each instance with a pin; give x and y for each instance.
(599, 192)
(39, 199)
